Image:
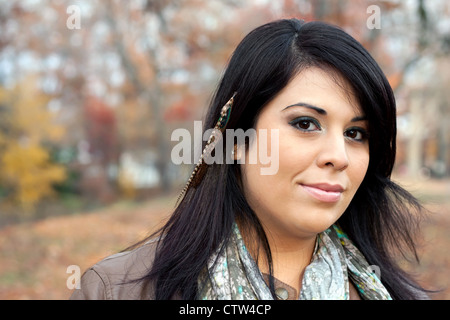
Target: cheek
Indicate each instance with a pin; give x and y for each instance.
(291, 159)
(265, 190)
(296, 157)
(253, 185)
(358, 170)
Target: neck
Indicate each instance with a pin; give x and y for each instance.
(290, 257)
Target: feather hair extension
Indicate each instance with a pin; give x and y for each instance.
(201, 167)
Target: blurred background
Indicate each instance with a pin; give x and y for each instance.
(91, 90)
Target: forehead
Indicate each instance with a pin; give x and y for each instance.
(325, 88)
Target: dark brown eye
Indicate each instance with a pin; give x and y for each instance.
(305, 124)
(352, 134)
(356, 134)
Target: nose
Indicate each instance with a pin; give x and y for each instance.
(333, 153)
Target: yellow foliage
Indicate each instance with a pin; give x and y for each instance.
(26, 171)
(26, 114)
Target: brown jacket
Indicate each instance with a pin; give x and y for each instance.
(111, 278)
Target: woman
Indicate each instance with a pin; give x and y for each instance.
(319, 226)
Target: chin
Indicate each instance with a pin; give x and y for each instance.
(316, 224)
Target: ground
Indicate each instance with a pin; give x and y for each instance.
(35, 257)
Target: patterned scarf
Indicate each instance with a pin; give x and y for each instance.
(232, 274)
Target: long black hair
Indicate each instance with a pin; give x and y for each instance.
(381, 218)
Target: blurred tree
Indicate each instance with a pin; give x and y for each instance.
(27, 174)
(100, 126)
(166, 56)
(420, 77)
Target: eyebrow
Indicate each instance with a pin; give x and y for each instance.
(309, 106)
(321, 111)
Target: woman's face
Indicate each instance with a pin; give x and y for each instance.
(323, 156)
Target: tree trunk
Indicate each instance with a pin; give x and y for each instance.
(415, 146)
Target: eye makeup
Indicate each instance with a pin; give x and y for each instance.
(306, 124)
(309, 124)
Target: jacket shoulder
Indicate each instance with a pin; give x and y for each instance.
(116, 277)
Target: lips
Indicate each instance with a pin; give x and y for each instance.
(324, 192)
